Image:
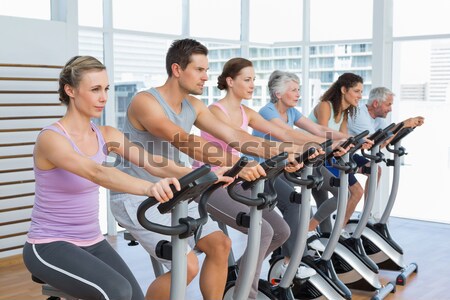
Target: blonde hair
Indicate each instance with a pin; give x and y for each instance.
(73, 71)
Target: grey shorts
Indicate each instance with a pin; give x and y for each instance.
(124, 208)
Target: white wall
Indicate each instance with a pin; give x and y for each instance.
(37, 42)
(30, 41)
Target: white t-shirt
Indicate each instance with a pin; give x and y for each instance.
(363, 121)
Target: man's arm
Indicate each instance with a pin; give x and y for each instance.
(410, 122)
(414, 122)
(154, 164)
(145, 111)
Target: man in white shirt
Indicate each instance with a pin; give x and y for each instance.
(372, 116)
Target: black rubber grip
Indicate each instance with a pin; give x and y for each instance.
(304, 157)
(273, 161)
(271, 166)
(361, 135)
(194, 175)
(184, 182)
(375, 134)
(404, 132)
(389, 127)
(348, 142)
(238, 166)
(326, 144)
(397, 127)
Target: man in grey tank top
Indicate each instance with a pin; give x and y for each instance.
(160, 120)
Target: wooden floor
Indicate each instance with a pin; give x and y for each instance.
(425, 243)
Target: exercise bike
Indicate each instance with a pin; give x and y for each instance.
(326, 283)
(350, 260)
(376, 238)
(257, 202)
(260, 200)
(307, 182)
(183, 226)
(296, 197)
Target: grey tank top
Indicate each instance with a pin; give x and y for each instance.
(155, 145)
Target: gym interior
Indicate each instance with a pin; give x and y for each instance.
(400, 44)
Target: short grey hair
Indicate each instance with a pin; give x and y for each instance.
(379, 93)
(278, 81)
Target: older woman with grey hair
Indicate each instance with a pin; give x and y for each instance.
(284, 89)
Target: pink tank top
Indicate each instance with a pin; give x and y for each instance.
(220, 143)
(66, 206)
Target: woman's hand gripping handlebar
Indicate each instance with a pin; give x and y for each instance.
(192, 185)
(342, 148)
(233, 172)
(272, 167)
(307, 160)
(355, 142)
(361, 142)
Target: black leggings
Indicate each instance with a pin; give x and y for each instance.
(93, 272)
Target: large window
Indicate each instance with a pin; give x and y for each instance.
(341, 20)
(275, 21)
(140, 58)
(421, 81)
(416, 18)
(219, 54)
(327, 62)
(222, 20)
(149, 16)
(90, 13)
(91, 43)
(423, 88)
